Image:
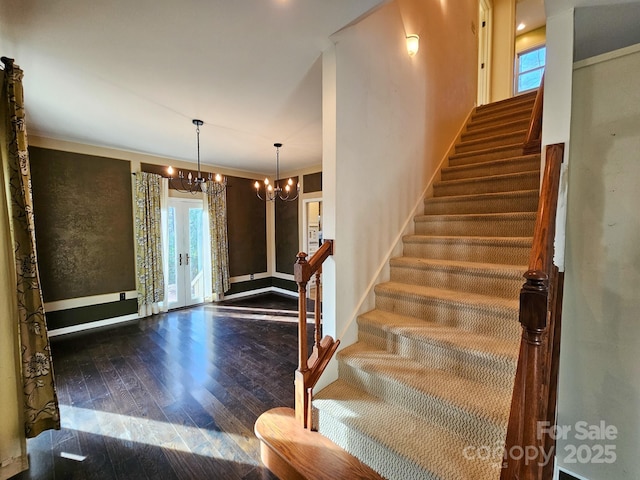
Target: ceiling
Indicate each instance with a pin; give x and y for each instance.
(531, 13)
(132, 74)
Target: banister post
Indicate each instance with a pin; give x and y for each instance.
(534, 299)
(301, 273)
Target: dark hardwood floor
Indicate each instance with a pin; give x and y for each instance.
(174, 396)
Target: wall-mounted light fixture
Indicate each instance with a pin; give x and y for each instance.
(413, 43)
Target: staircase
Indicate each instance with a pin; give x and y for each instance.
(430, 380)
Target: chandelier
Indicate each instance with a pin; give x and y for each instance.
(197, 184)
(271, 192)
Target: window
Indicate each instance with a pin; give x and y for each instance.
(530, 67)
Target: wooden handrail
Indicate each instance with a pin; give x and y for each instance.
(534, 395)
(310, 367)
(533, 140)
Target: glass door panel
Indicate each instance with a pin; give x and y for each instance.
(186, 267)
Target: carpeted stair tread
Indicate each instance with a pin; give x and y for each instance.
(505, 350)
(486, 154)
(468, 311)
(490, 269)
(511, 103)
(476, 357)
(494, 118)
(495, 202)
(490, 249)
(505, 138)
(430, 392)
(509, 224)
(525, 163)
(397, 444)
(475, 277)
(488, 184)
(451, 296)
(492, 130)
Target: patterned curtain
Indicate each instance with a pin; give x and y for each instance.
(40, 402)
(217, 204)
(149, 271)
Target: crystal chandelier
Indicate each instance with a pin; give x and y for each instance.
(271, 192)
(197, 184)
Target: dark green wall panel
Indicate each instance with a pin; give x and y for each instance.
(91, 313)
(247, 228)
(312, 182)
(285, 284)
(241, 287)
(84, 224)
(287, 245)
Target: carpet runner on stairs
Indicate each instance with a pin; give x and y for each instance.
(425, 392)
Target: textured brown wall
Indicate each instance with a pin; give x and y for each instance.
(287, 246)
(312, 182)
(84, 224)
(247, 228)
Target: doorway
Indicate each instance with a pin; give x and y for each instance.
(484, 51)
(312, 233)
(186, 280)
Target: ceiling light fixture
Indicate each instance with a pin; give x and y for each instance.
(196, 184)
(413, 43)
(521, 26)
(271, 192)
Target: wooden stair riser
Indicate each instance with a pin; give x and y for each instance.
(496, 167)
(460, 421)
(477, 318)
(499, 153)
(500, 118)
(468, 249)
(459, 361)
(499, 140)
(478, 133)
(453, 225)
(499, 284)
(494, 184)
(521, 201)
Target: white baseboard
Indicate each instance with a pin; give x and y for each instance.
(91, 325)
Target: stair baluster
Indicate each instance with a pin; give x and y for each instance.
(310, 368)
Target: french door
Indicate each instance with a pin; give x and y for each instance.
(186, 252)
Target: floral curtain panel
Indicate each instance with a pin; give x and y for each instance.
(40, 402)
(149, 264)
(217, 205)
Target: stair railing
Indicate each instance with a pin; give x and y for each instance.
(530, 443)
(533, 140)
(310, 367)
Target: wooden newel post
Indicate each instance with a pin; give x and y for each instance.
(310, 368)
(534, 298)
(301, 273)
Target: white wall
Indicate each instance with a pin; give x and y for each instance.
(503, 49)
(388, 121)
(600, 372)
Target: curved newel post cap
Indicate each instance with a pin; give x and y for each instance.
(301, 257)
(536, 280)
